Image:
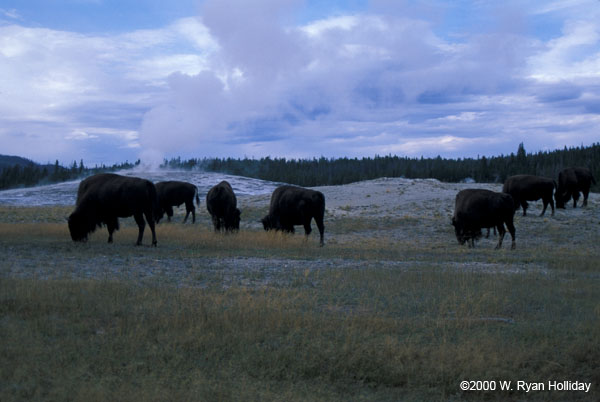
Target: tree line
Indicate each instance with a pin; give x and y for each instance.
(32, 174)
(334, 171)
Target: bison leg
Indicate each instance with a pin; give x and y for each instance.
(112, 225)
(545, 201)
(152, 227)
(169, 211)
(575, 198)
(524, 205)
(511, 229)
(551, 202)
(567, 197)
(216, 223)
(501, 233)
(139, 219)
(586, 194)
(285, 227)
(189, 207)
(319, 222)
(307, 227)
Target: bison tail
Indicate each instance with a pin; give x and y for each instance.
(197, 198)
(319, 200)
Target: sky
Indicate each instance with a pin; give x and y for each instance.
(113, 80)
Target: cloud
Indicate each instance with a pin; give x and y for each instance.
(69, 81)
(247, 78)
(307, 90)
(574, 55)
(558, 92)
(11, 14)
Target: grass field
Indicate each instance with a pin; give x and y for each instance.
(392, 308)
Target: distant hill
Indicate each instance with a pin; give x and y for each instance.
(9, 161)
(16, 171)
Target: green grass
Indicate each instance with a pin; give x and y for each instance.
(366, 317)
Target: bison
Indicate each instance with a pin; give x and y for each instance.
(105, 197)
(291, 206)
(526, 187)
(175, 193)
(570, 182)
(476, 209)
(222, 206)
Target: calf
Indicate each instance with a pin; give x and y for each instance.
(175, 193)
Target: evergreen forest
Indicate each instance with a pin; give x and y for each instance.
(20, 172)
(333, 171)
(324, 171)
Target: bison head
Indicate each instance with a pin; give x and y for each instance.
(458, 230)
(267, 222)
(561, 199)
(80, 226)
(464, 234)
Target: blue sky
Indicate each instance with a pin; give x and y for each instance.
(109, 81)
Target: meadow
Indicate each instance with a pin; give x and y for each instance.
(392, 308)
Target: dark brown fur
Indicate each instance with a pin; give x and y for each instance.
(571, 181)
(221, 203)
(175, 193)
(526, 187)
(105, 197)
(476, 209)
(291, 206)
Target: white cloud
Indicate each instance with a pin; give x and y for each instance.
(49, 76)
(10, 13)
(318, 28)
(245, 79)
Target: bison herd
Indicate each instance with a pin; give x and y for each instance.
(104, 198)
(476, 209)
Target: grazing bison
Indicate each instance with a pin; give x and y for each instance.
(524, 187)
(175, 193)
(291, 206)
(476, 209)
(570, 182)
(105, 197)
(222, 206)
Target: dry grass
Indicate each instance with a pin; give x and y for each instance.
(389, 309)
